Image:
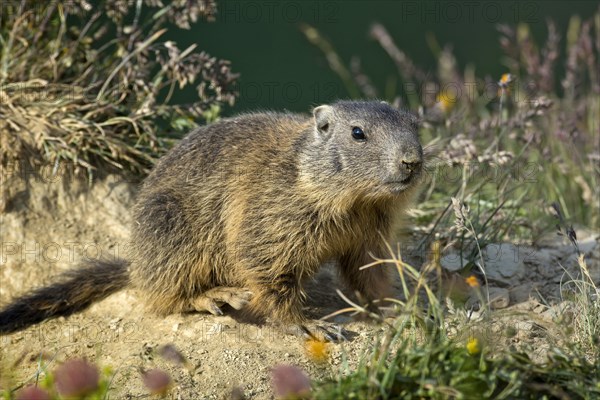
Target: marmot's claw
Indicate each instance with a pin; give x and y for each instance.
(332, 333)
(213, 308)
(323, 331)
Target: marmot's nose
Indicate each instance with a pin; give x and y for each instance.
(411, 166)
(408, 167)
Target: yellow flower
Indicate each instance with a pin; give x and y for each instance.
(472, 281)
(506, 80)
(505, 83)
(473, 346)
(445, 101)
(317, 350)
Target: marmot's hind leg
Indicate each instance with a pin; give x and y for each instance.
(213, 299)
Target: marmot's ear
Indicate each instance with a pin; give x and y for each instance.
(322, 116)
(414, 120)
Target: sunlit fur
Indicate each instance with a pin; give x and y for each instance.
(259, 201)
(263, 200)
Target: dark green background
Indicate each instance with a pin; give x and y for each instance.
(280, 69)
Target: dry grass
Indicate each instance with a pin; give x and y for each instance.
(78, 85)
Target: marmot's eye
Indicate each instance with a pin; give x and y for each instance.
(358, 134)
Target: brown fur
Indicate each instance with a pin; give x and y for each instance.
(259, 202)
(74, 291)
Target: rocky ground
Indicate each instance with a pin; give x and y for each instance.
(48, 225)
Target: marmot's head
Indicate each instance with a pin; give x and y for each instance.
(369, 145)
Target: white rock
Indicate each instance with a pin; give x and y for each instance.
(216, 328)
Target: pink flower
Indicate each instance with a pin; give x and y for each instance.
(76, 378)
(290, 381)
(157, 381)
(32, 393)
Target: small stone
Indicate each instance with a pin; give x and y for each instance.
(503, 261)
(452, 262)
(216, 328)
(114, 323)
(499, 298)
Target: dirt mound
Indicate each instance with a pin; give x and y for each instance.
(50, 223)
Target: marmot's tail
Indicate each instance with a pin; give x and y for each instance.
(75, 291)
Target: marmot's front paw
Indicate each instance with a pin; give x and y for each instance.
(213, 299)
(323, 331)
